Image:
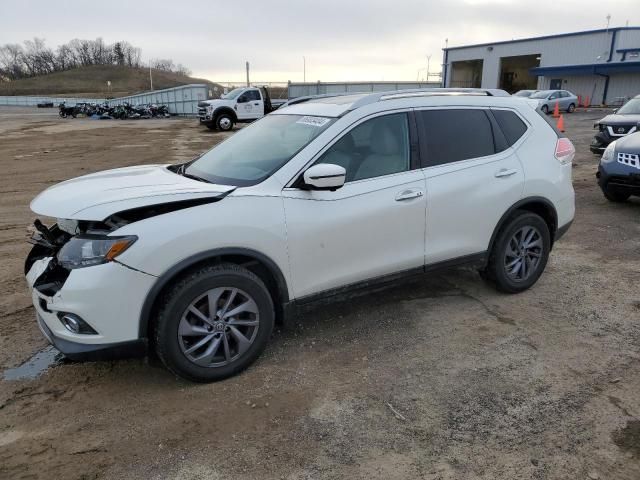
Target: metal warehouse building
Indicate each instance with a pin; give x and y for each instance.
(603, 65)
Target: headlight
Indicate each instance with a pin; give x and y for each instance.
(607, 156)
(89, 250)
(210, 108)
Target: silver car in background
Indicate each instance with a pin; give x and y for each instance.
(547, 100)
(524, 93)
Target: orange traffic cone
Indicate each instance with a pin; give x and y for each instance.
(556, 111)
(580, 101)
(561, 123)
(586, 101)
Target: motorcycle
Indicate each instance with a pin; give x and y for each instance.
(65, 111)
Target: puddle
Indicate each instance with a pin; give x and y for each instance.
(32, 368)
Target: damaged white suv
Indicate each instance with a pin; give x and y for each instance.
(324, 197)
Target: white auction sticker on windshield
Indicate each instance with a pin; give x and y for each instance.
(313, 121)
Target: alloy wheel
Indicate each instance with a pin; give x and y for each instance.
(218, 327)
(523, 253)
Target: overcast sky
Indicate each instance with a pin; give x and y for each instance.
(341, 39)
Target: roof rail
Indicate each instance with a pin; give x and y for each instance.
(424, 92)
(306, 98)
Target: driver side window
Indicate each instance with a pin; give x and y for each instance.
(377, 147)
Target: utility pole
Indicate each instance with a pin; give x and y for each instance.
(304, 69)
(248, 85)
(150, 76)
(608, 20)
(428, 61)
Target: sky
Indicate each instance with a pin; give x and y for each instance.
(342, 40)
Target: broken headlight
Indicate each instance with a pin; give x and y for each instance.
(85, 251)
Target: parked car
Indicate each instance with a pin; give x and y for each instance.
(623, 121)
(241, 105)
(314, 202)
(524, 93)
(547, 100)
(619, 170)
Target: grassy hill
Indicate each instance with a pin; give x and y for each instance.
(92, 82)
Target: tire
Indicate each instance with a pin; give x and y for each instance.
(505, 254)
(224, 122)
(545, 109)
(178, 330)
(616, 197)
(572, 108)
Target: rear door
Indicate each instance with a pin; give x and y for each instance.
(473, 177)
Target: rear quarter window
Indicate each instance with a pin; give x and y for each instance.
(511, 125)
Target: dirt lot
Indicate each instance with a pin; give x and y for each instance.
(541, 385)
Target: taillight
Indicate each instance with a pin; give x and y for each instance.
(565, 151)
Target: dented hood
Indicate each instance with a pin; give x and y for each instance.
(98, 195)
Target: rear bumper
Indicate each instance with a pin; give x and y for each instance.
(82, 351)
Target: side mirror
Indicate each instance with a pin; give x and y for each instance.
(324, 176)
(242, 99)
(615, 110)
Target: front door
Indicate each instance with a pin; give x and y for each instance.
(371, 227)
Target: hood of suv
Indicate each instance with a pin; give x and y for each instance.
(629, 144)
(622, 120)
(98, 195)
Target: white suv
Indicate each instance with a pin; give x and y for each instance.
(323, 197)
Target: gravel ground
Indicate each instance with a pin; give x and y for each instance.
(438, 379)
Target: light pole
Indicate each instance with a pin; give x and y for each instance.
(428, 62)
(304, 69)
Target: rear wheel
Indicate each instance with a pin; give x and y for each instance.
(520, 253)
(614, 196)
(214, 323)
(571, 108)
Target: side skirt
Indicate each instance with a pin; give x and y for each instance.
(295, 307)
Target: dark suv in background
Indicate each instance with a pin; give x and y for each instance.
(620, 123)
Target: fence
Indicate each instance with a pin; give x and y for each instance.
(320, 88)
(181, 100)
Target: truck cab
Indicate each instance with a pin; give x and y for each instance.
(240, 105)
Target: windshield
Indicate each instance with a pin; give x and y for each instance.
(632, 107)
(233, 93)
(523, 93)
(543, 94)
(257, 151)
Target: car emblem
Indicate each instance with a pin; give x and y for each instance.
(621, 129)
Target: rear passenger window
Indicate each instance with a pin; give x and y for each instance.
(454, 135)
(510, 124)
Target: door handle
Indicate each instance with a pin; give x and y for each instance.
(408, 195)
(505, 173)
(256, 104)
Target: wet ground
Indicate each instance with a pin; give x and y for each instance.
(439, 379)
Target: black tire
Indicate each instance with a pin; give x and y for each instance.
(571, 108)
(224, 122)
(496, 270)
(614, 196)
(545, 109)
(176, 301)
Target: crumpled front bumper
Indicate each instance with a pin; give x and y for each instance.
(107, 297)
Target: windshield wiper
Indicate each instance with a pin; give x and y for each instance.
(194, 177)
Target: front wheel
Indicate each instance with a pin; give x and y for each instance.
(224, 122)
(572, 108)
(545, 109)
(520, 253)
(214, 323)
